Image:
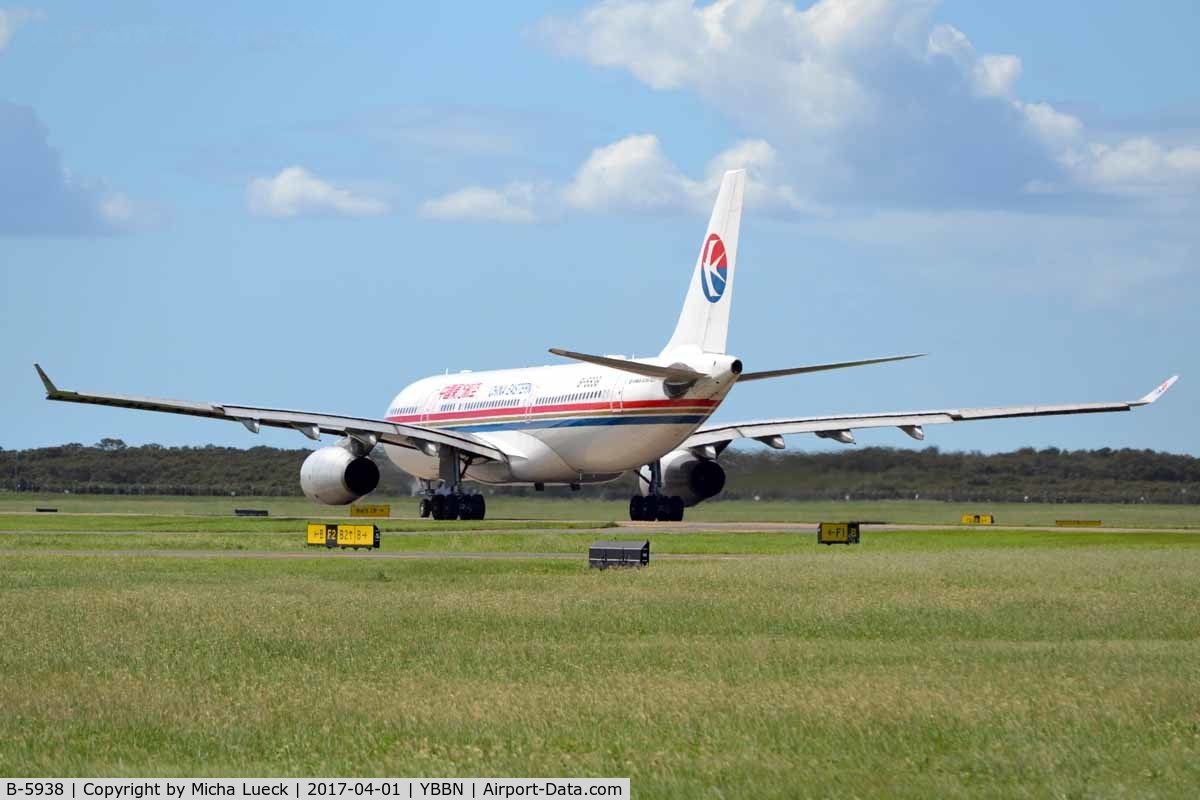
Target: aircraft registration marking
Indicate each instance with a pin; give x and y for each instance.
(507, 389)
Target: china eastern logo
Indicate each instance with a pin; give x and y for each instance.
(714, 269)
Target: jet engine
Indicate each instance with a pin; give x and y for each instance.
(694, 479)
(336, 476)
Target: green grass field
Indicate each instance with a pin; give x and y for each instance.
(164, 523)
(518, 508)
(568, 541)
(964, 662)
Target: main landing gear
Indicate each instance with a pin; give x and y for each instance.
(453, 506)
(449, 501)
(655, 505)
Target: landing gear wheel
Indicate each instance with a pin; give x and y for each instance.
(672, 509)
(637, 508)
(453, 506)
(424, 507)
(437, 506)
(651, 509)
(478, 506)
(471, 507)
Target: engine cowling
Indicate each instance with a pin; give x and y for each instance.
(335, 476)
(694, 479)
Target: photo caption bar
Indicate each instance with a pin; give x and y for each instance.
(308, 788)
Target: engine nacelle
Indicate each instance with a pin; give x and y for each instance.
(335, 476)
(694, 479)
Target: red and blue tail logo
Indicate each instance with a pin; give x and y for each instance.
(714, 269)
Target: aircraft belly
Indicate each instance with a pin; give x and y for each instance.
(613, 448)
(569, 454)
(414, 462)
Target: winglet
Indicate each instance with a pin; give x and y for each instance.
(51, 389)
(1157, 393)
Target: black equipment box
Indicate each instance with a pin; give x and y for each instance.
(250, 512)
(602, 555)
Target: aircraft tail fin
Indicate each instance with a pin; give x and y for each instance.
(704, 321)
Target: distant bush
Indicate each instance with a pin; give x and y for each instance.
(868, 473)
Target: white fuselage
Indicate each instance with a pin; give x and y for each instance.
(575, 423)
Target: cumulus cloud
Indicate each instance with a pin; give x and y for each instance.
(633, 174)
(989, 75)
(630, 175)
(868, 98)
(994, 75)
(295, 191)
(714, 49)
(513, 203)
(1051, 125)
(1138, 165)
(40, 196)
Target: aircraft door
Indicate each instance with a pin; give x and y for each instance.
(618, 393)
(428, 405)
(528, 402)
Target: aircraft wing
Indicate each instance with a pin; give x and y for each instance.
(369, 431)
(911, 422)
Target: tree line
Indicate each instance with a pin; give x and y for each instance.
(1028, 474)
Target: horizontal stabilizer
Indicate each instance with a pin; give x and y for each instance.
(677, 374)
(778, 373)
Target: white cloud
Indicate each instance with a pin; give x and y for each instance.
(1052, 126)
(990, 75)
(10, 20)
(295, 191)
(1138, 165)
(750, 58)
(761, 162)
(633, 174)
(867, 98)
(513, 203)
(947, 40)
(994, 75)
(629, 175)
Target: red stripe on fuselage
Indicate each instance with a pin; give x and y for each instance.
(483, 413)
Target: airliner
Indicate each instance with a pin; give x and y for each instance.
(585, 422)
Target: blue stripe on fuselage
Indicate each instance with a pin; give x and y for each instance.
(522, 425)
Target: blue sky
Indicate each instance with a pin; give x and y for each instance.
(312, 209)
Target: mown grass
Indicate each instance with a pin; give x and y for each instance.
(536, 508)
(913, 665)
(550, 541)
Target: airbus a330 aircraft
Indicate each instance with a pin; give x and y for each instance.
(587, 422)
